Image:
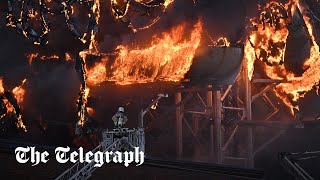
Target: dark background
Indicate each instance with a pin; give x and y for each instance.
(52, 86)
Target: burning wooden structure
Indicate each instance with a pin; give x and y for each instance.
(277, 60)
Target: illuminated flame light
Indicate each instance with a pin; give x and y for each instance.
(31, 57)
(84, 109)
(98, 73)
(263, 40)
(96, 10)
(167, 3)
(68, 57)
(19, 92)
(49, 57)
(221, 42)
(90, 111)
(166, 59)
(154, 107)
(1, 86)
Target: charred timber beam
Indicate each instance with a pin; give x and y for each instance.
(266, 89)
(194, 89)
(268, 81)
(272, 114)
(269, 141)
(217, 125)
(271, 124)
(192, 132)
(230, 138)
(269, 101)
(232, 135)
(281, 125)
(200, 98)
(179, 118)
(248, 103)
(234, 108)
(226, 92)
(196, 112)
(195, 128)
(290, 164)
(210, 111)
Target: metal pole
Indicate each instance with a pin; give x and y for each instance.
(250, 162)
(141, 119)
(210, 111)
(179, 117)
(195, 128)
(217, 125)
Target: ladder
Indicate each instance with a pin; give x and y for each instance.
(110, 143)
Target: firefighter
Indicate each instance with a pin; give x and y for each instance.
(119, 119)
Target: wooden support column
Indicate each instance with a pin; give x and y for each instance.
(179, 118)
(250, 162)
(209, 111)
(195, 128)
(217, 126)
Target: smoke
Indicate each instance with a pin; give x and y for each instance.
(52, 85)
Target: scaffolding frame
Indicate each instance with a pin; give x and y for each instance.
(212, 108)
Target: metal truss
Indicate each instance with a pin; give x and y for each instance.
(214, 106)
(289, 162)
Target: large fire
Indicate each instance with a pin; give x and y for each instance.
(11, 109)
(167, 58)
(170, 55)
(268, 44)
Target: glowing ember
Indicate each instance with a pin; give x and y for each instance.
(167, 59)
(19, 92)
(96, 11)
(12, 109)
(1, 86)
(154, 107)
(32, 56)
(167, 3)
(68, 57)
(49, 57)
(120, 10)
(221, 42)
(82, 101)
(90, 111)
(20, 124)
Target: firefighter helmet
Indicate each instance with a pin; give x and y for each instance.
(121, 109)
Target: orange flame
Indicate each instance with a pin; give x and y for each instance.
(19, 92)
(96, 10)
(98, 73)
(68, 57)
(1, 86)
(299, 86)
(31, 57)
(221, 42)
(167, 58)
(263, 40)
(49, 57)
